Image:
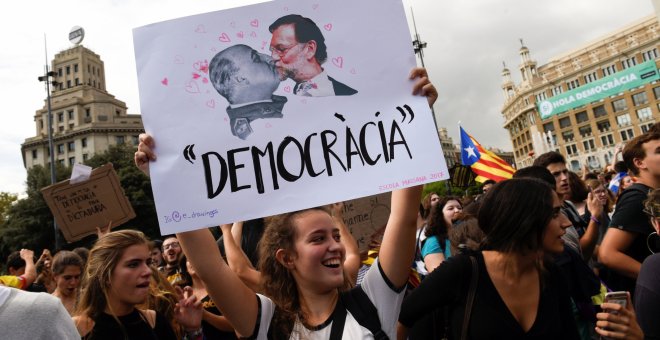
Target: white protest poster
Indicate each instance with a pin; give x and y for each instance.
(281, 106)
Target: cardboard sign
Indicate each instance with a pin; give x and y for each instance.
(365, 216)
(249, 120)
(82, 207)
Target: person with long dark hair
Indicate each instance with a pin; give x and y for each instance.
(515, 293)
(435, 248)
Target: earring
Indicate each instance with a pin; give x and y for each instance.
(648, 242)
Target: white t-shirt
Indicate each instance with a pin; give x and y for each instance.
(379, 290)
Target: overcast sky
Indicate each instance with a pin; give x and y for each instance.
(467, 42)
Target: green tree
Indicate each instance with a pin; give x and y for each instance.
(6, 200)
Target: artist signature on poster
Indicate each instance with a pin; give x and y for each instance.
(176, 216)
(410, 181)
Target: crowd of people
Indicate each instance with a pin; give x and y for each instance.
(532, 257)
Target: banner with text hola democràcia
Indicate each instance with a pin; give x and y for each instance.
(250, 120)
(611, 85)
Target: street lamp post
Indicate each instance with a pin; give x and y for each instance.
(47, 79)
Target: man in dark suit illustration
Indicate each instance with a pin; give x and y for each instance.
(298, 48)
(247, 79)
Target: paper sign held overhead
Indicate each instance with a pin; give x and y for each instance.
(245, 125)
(80, 208)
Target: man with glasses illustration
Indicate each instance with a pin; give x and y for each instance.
(298, 49)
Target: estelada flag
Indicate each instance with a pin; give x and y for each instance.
(484, 163)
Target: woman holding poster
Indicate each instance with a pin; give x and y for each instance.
(307, 294)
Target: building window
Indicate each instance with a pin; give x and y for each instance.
(72, 161)
(540, 97)
(71, 146)
(85, 157)
(627, 134)
(83, 142)
(557, 90)
(585, 131)
(77, 81)
(41, 123)
(135, 140)
(619, 105)
(34, 154)
(564, 122)
(567, 136)
(68, 84)
(75, 67)
(70, 114)
(609, 70)
(630, 62)
(599, 111)
(60, 148)
(646, 127)
(68, 70)
(644, 114)
(89, 69)
(87, 112)
(60, 162)
(650, 54)
(588, 145)
(640, 98)
(60, 128)
(571, 149)
(60, 117)
(59, 72)
(603, 126)
(623, 120)
(591, 77)
(572, 84)
(581, 117)
(119, 139)
(548, 127)
(656, 92)
(607, 140)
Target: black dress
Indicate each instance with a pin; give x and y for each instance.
(133, 326)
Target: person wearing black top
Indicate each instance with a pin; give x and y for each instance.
(518, 294)
(624, 246)
(116, 281)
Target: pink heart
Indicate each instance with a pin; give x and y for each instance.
(200, 29)
(224, 37)
(353, 71)
(253, 34)
(287, 89)
(205, 81)
(178, 59)
(328, 27)
(315, 6)
(339, 62)
(192, 87)
(240, 34)
(254, 23)
(195, 76)
(164, 81)
(210, 103)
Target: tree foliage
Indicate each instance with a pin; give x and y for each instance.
(29, 222)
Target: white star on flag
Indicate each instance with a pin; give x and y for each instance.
(470, 151)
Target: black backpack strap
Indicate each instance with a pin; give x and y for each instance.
(363, 310)
(338, 321)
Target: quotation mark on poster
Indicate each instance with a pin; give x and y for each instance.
(410, 112)
(188, 153)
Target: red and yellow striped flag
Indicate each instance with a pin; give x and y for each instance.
(484, 163)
